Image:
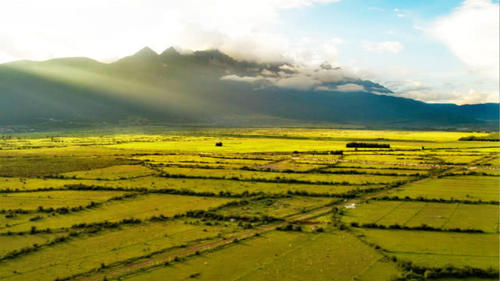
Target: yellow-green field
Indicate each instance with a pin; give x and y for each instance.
(269, 204)
(437, 215)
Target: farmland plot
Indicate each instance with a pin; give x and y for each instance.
(142, 207)
(265, 204)
(54, 199)
(415, 214)
(456, 249)
(79, 255)
(282, 256)
(471, 188)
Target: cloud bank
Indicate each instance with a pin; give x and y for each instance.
(472, 34)
(110, 29)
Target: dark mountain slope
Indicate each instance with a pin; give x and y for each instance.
(174, 88)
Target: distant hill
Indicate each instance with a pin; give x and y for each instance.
(210, 88)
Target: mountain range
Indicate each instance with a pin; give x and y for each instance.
(210, 88)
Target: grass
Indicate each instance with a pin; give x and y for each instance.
(89, 252)
(273, 176)
(438, 249)
(425, 178)
(10, 243)
(42, 165)
(437, 215)
(389, 172)
(278, 208)
(282, 256)
(112, 173)
(142, 207)
(53, 199)
(473, 188)
(196, 185)
(359, 134)
(196, 158)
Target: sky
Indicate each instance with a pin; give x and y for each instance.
(430, 50)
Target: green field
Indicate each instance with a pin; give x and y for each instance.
(270, 204)
(112, 173)
(436, 215)
(283, 256)
(54, 199)
(85, 253)
(438, 249)
(278, 208)
(141, 207)
(471, 188)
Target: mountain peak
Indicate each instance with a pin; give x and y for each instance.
(146, 52)
(169, 52)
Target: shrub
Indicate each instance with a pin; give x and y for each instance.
(367, 145)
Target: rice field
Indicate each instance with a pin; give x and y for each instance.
(436, 215)
(282, 256)
(438, 249)
(265, 204)
(473, 188)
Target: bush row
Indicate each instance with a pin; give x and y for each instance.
(367, 145)
(421, 227)
(436, 200)
(414, 272)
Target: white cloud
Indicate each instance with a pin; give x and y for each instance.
(458, 97)
(109, 29)
(386, 46)
(399, 13)
(248, 79)
(473, 97)
(445, 93)
(350, 87)
(471, 32)
(300, 78)
(297, 81)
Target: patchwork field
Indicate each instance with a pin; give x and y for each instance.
(471, 188)
(264, 204)
(283, 256)
(141, 207)
(416, 214)
(439, 249)
(30, 201)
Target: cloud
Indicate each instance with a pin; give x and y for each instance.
(381, 47)
(298, 82)
(473, 97)
(399, 14)
(446, 93)
(350, 87)
(458, 97)
(301, 78)
(471, 32)
(248, 79)
(110, 29)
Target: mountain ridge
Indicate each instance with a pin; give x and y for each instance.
(212, 88)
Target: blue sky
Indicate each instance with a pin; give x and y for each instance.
(428, 61)
(431, 50)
